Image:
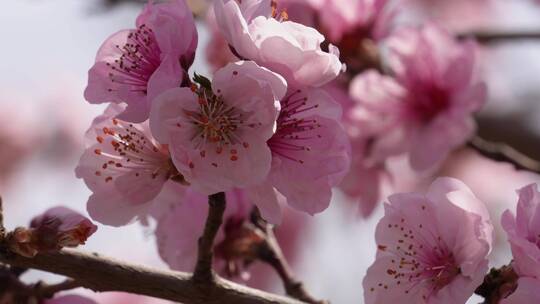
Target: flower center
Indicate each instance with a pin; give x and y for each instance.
(422, 259)
(131, 150)
(139, 58)
(429, 102)
(217, 125)
(277, 14)
(294, 127)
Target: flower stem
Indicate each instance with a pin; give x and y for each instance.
(216, 208)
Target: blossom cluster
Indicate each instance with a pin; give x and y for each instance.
(305, 96)
(262, 128)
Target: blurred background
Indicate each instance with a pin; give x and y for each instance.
(47, 47)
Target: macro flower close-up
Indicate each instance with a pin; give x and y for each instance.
(270, 152)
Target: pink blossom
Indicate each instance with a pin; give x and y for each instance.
(523, 232)
(125, 168)
(218, 140)
(20, 135)
(528, 291)
(310, 155)
(286, 47)
(427, 109)
(364, 181)
(70, 299)
(134, 66)
(432, 248)
(339, 18)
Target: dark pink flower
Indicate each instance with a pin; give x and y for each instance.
(523, 232)
(218, 139)
(432, 248)
(125, 168)
(134, 66)
(427, 109)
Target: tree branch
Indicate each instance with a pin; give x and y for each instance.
(216, 207)
(503, 153)
(491, 37)
(270, 253)
(102, 274)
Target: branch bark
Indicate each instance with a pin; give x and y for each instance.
(491, 37)
(102, 274)
(273, 256)
(270, 253)
(503, 153)
(203, 269)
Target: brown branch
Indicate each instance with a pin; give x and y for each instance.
(203, 270)
(102, 274)
(503, 153)
(270, 253)
(490, 37)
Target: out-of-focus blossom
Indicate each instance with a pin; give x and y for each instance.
(20, 136)
(523, 232)
(70, 299)
(134, 66)
(432, 248)
(362, 17)
(426, 110)
(257, 32)
(218, 139)
(55, 229)
(178, 230)
(528, 291)
(364, 180)
(125, 168)
(218, 54)
(457, 15)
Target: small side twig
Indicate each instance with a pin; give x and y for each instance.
(203, 269)
(498, 284)
(270, 253)
(503, 153)
(48, 291)
(491, 37)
